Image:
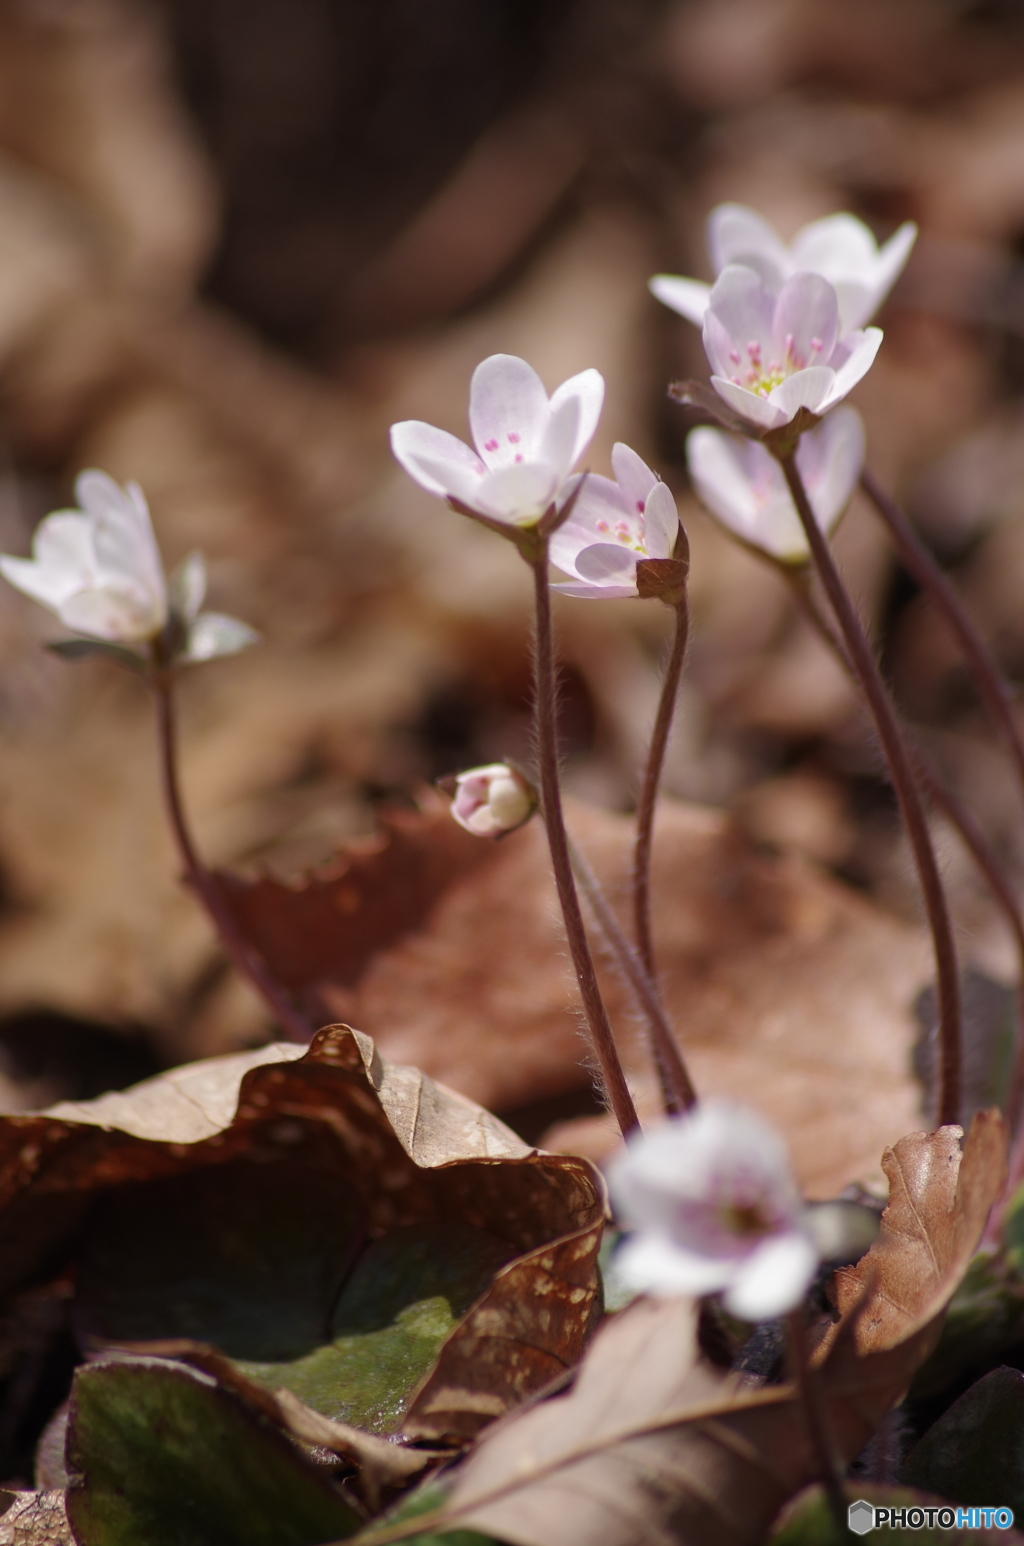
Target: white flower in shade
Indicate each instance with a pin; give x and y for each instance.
(526, 443)
(743, 485)
(492, 800)
(612, 525)
(840, 248)
(99, 569)
(715, 1208)
(774, 354)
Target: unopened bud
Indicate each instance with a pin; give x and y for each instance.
(492, 800)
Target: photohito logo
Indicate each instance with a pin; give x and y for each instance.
(862, 1517)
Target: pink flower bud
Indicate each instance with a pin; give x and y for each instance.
(492, 800)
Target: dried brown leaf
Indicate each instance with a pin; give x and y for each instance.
(34, 1519)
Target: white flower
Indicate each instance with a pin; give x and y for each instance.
(743, 485)
(526, 443)
(774, 354)
(99, 569)
(492, 800)
(715, 1209)
(840, 248)
(612, 525)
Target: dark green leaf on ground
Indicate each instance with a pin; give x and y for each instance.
(974, 1454)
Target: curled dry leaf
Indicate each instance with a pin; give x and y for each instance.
(332, 1222)
(448, 951)
(652, 1444)
(34, 1519)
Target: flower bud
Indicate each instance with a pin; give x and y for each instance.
(492, 800)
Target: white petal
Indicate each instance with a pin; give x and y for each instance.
(558, 447)
(187, 586)
(49, 586)
(599, 500)
(760, 411)
(830, 459)
(856, 303)
(808, 388)
(213, 634)
(508, 410)
(736, 234)
(654, 1263)
(891, 262)
(427, 454)
(862, 350)
(745, 309)
(773, 1278)
(839, 247)
(633, 476)
(115, 611)
(689, 297)
(661, 522)
(805, 325)
(588, 390)
(597, 592)
(720, 478)
(99, 495)
(63, 543)
(516, 494)
(606, 561)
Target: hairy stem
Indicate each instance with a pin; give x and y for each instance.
(911, 806)
(649, 788)
(819, 1428)
(545, 707)
(677, 1091)
(916, 558)
(243, 957)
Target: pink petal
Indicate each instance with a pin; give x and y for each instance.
(599, 501)
(427, 453)
(597, 592)
(737, 234)
(830, 459)
(689, 297)
(806, 322)
(860, 350)
(588, 390)
(806, 389)
(606, 562)
(633, 476)
(558, 447)
(661, 522)
(716, 469)
(757, 410)
(508, 410)
(740, 302)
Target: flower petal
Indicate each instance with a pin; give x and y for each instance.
(736, 234)
(214, 634)
(830, 459)
(508, 410)
(634, 477)
(656, 1263)
(689, 297)
(805, 326)
(427, 454)
(743, 307)
(804, 389)
(123, 611)
(839, 247)
(558, 448)
(760, 411)
(860, 350)
(661, 522)
(187, 586)
(588, 390)
(606, 561)
(518, 495)
(716, 464)
(773, 1278)
(598, 506)
(596, 592)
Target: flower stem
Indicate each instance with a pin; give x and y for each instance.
(545, 708)
(819, 1428)
(242, 955)
(919, 562)
(677, 1091)
(649, 788)
(907, 793)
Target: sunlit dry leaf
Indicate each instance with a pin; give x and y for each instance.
(34, 1519)
(651, 1444)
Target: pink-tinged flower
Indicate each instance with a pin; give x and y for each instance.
(526, 443)
(716, 1210)
(612, 526)
(840, 248)
(743, 485)
(492, 800)
(773, 355)
(99, 569)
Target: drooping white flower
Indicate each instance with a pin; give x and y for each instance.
(773, 354)
(526, 443)
(743, 485)
(612, 525)
(715, 1208)
(840, 248)
(491, 800)
(99, 569)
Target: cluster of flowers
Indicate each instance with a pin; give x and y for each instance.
(785, 330)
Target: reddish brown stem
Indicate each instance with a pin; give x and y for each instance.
(677, 1091)
(545, 707)
(649, 789)
(816, 1417)
(911, 806)
(242, 955)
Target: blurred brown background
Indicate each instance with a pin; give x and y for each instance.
(238, 240)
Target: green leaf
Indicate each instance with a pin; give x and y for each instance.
(974, 1454)
(161, 1455)
(985, 1317)
(808, 1522)
(84, 649)
(405, 1296)
(426, 1498)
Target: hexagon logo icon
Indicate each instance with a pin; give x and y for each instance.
(861, 1517)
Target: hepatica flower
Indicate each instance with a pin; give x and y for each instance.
(492, 800)
(612, 526)
(99, 569)
(840, 248)
(715, 1208)
(743, 485)
(774, 354)
(525, 444)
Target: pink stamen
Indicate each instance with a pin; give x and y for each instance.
(513, 438)
(816, 346)
(640, 505)
(754, 350)
(734, 355)
(519, 456)
(490, 445)
(602, 526)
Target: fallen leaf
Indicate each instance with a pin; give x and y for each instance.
(652, 1444)
(34, 1519)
